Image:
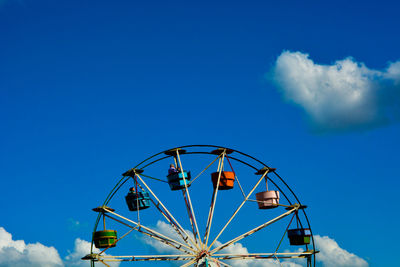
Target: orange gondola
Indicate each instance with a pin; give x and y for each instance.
(226, 181)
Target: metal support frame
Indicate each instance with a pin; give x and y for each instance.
(177, 257)
(195, 249)
(256, 256)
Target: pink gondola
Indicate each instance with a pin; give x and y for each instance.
(268, 199)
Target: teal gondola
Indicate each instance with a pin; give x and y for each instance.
(137, 200)
(176, 181)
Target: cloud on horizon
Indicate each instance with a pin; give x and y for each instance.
(16, 253)
(343, 96)
(331, 255)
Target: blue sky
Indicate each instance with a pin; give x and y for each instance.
(90, 88)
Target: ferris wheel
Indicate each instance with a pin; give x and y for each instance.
(193, 204)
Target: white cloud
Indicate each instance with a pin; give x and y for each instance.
(81, 249)
(343, 96)
(17, 253)
(393, 72)
(331, 255)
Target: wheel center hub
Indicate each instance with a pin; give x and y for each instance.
(202, 254)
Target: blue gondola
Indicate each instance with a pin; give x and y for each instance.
(176, 182)
(134, 198)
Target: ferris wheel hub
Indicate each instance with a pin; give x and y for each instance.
(202, 254)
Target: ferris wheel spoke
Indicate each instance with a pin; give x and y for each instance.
(237, 210)
(295, 208)
(149, 232)
(171, 217)
(213, 200)
(192, 216)
(177, 257)
(283, 255)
